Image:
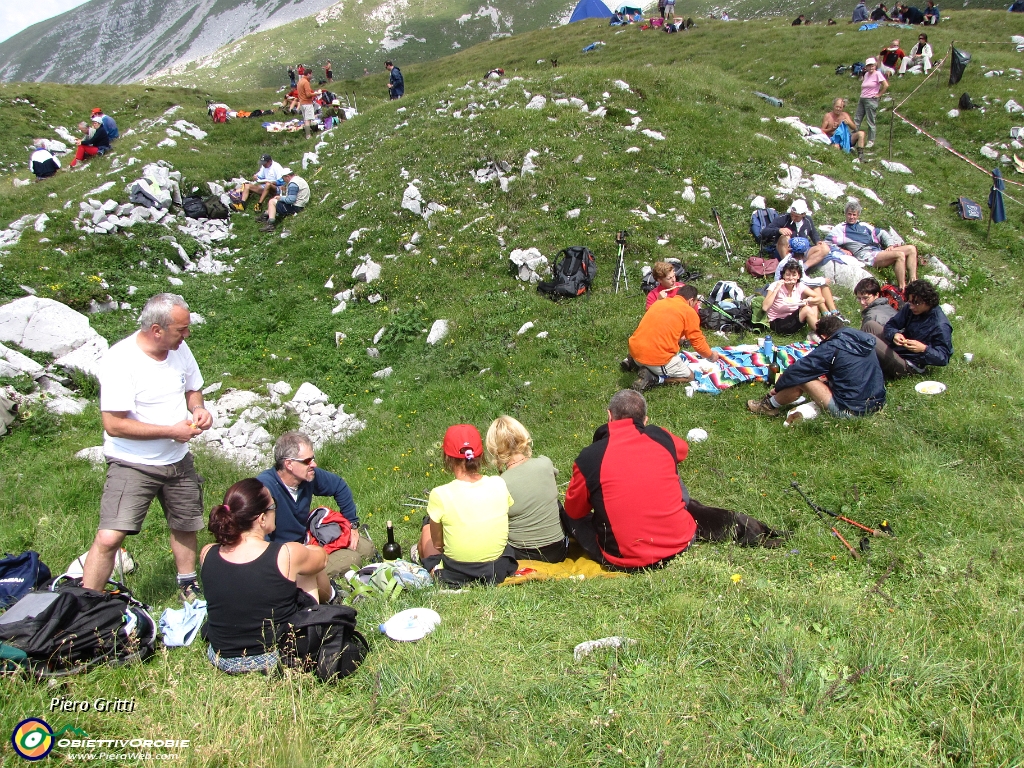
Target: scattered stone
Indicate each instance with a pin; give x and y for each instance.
(529, 265)
(367, 271)
(688, 195)
(93, 455)
(537, 102)
(573, 214)
(45, 325)
(215, 387)
(525, 327)
(438, 331)
(657, 135)
(528, 165)
(910, 189)
(383, 373)
(894, 167)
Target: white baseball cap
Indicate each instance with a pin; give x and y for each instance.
(869, 60)
(285, 172)
(799, 206)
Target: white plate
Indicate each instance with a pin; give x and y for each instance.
(412, 624)
(930, 387)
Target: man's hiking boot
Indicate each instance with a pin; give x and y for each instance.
(257, 208)
(237, 207)
(646, 381)
(762, 407)
(270, 226)
(190, 592)
(262, 217)
(627, 364)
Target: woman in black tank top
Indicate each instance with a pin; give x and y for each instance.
(252, 586)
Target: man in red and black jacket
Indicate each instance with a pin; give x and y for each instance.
(626, 505)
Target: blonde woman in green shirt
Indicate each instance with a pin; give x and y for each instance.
(534, 528)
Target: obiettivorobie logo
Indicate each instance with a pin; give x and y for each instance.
(33, 738)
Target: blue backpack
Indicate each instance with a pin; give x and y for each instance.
(759, 221)
(20, 574)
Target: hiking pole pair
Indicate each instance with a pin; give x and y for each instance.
(725, 237)
(620, 268)
(821, 511)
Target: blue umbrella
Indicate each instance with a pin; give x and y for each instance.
(997, 212)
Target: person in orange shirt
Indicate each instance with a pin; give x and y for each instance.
(654, 344)
(306, 103)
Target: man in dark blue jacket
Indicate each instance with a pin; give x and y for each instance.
(293, 482)
(917, 336)
(396, 83)
(846, 357)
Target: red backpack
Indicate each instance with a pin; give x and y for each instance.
(220, 115)
(893, 295)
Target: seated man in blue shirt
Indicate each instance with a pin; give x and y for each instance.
(293, 199)
(293, 482)
(108, 123)
(917, 336)
(846, 357)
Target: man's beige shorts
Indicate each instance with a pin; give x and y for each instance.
(131, 488)
(676, 368)
(308, 112)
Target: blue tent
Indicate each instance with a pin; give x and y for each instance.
(590, 9)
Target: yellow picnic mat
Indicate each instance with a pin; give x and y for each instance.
(580, 568)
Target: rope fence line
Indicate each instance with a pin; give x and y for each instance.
(958, 154)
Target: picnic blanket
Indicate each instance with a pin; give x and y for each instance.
(580, 568)
(742, 364)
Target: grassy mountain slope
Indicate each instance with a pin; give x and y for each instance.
(362, 36)
(910, 656)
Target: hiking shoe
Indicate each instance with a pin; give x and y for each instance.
(839, 314)
(762, 407)
(270, 226)
(627, 364)
(263, 217)
(190, 592)
(257, 208)
(340, 593)
(237, 207)
(645, 381)
(869, 145)
(414, 554)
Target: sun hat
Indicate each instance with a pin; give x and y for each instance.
(462, 441)
(799, 206)
(286, 172)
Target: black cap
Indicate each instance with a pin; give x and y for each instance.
(267, 159)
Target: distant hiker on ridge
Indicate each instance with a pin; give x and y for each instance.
(396, 84)
(860, 13)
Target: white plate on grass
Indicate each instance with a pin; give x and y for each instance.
(411, 625)
(930, 387)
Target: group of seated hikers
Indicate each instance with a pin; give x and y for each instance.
(903, 331)
(261, 572)
(97, 135)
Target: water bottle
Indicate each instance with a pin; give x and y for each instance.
(768, 348)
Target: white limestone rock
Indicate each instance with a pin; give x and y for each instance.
(438, 331)
(44, 325)
(93, 455)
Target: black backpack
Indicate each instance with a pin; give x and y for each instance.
(194, 208)
(215, 209)
(759, 221)
(323, 639)
(736, 319)
(574, 274)
(965, 101)
(81, 628)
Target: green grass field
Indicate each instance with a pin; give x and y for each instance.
(911, 656)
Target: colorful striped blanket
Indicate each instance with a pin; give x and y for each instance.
(745, 364)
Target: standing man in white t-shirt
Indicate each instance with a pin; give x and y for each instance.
(152, 405)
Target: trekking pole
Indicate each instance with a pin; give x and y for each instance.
(830, 513)
(817, 510)
(620, 268)
(725, 237)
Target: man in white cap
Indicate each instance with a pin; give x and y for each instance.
(872, 86)
(291, 201)
(796, 223)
